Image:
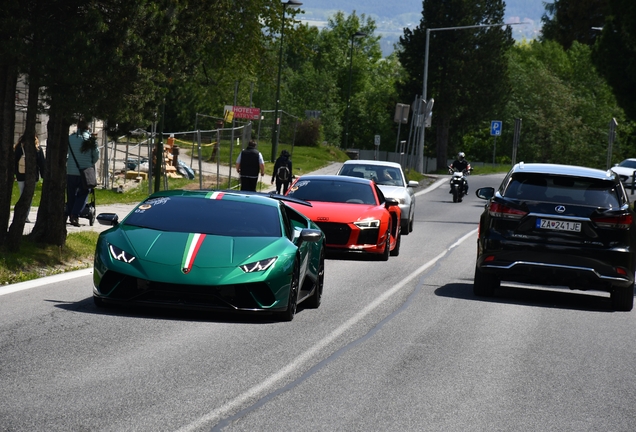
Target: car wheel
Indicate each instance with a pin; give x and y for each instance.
(387, 246)
(396, 250)
(292, 299)
(622, 299)
(484, 284)
(405, 227)
(316, 298)
(410, 225)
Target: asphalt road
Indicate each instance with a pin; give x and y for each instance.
(398, 345)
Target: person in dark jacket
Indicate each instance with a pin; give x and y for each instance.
(248, 164)
(20, 164)
(282, 172)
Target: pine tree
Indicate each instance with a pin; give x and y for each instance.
(467, 68)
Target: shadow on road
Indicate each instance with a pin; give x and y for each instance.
(542, 297)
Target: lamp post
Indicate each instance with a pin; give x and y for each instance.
(346, 138)
(420, 148)
(276, 130)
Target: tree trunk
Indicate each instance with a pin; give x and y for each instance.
(50, 226)
(8, 83)
(22, 207)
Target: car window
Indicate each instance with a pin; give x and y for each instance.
(382, 175)
(207, 216)
(333, 191)
(564, 190)
(628, 164)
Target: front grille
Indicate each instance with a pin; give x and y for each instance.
(335, 233)
(238, 296)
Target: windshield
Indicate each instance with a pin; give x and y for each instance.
(333, 191)
(382, 175)
(207, 216)
(628, 164)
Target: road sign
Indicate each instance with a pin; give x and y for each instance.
(495, 127)
(377, 140)
(244, 112)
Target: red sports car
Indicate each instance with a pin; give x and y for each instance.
(352, 212)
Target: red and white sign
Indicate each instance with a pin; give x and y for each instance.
(244, 112)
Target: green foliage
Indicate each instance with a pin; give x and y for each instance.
(615, 54)
(566, 21)
(467, 70)
(308, 133)
(565, 107)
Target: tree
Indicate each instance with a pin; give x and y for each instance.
(615, 53)
(566, 21)
(467, 71)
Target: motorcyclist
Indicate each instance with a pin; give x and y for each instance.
(461, 165)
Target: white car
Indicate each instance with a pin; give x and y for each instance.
(392, 182)
(625, 171)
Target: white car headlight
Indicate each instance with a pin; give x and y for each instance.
(260, 265)
(367, 224)
(120, 254)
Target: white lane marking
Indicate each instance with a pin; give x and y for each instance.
(21, 286)
(269, 384)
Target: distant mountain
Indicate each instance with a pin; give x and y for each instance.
(392, 17)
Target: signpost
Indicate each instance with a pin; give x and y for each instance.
(495, 130)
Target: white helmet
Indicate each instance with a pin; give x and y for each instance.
(461, 155)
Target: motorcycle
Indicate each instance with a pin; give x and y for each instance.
(458, 182)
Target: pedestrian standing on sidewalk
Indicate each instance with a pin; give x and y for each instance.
(248, 164)
(82, 153)
(20, 164)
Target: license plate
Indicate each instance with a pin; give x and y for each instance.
(558, 225)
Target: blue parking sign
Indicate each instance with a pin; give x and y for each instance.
(495, 127)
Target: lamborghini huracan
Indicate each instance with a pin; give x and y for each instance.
(352, 212)
(217, 250)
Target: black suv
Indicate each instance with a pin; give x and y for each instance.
(558, 225)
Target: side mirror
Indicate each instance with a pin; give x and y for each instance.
(413, 184)
(390, 202)
(485, 193)
(110, 219)
(310, 235)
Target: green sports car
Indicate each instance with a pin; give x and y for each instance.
(218, 250)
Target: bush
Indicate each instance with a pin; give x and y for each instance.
(308, 134)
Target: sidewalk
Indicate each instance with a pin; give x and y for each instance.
(123, 209)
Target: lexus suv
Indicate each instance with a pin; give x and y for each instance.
(557, 225)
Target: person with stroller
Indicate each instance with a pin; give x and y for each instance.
(20, 164)
(82, 153)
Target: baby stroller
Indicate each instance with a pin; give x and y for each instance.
(89, 211)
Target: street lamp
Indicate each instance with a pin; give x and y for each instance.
(420, 147)
(353, 36)
(276, 131)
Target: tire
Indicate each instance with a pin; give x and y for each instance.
(455, 195)
(316, 298)
(292, 299)
(410, 225)
(396, 250)
(622, 299)
(387, 246)
(405, 227)
(484, 284)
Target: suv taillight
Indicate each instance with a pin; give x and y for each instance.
(619, 222)
(502, 211)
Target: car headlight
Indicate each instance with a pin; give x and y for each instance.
(120, 255)
(367, 224)
(260, 265)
